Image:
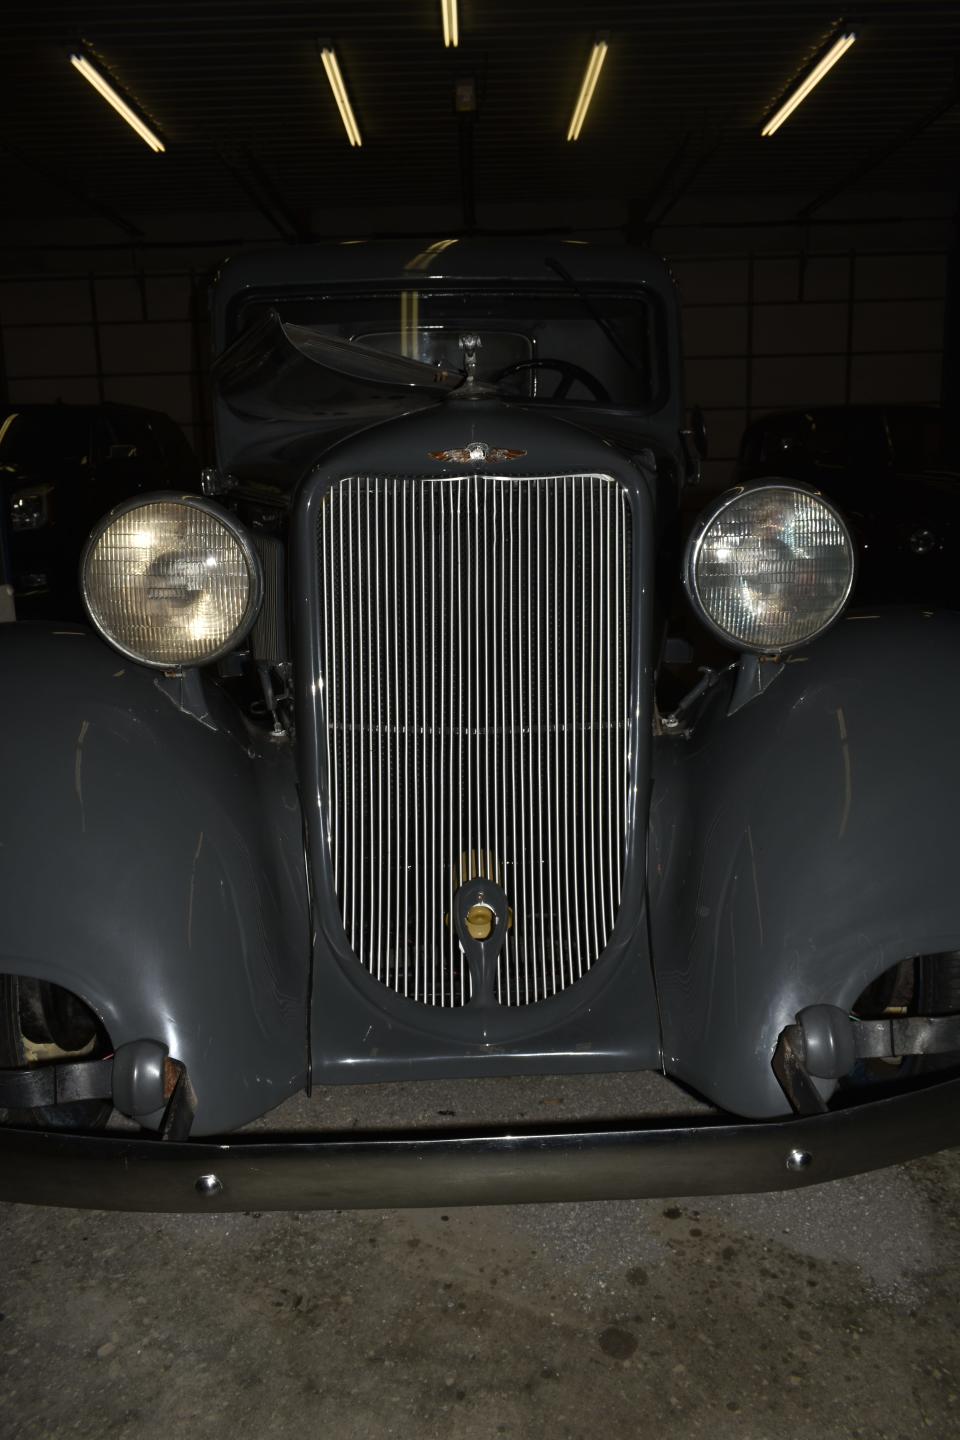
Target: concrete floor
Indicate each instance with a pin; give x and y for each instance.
(827, 1313)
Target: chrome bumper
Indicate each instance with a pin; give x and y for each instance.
(416, 1168)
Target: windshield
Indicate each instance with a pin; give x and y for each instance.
(545, 345)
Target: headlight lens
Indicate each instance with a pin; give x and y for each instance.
(770, 568)
(171, 581)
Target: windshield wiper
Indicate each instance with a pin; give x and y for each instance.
(596, 315)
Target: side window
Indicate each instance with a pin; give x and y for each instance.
(785, 441)
(70, 434)
(829, 440)
(173, 444)
(917, 439)
(126, 437)
(849, 440)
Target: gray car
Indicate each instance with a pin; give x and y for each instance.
(365, 770)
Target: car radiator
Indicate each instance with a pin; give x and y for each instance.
(475, 645)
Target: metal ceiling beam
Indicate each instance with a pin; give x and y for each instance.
(638, 211)
(64, 185)
(265, 195)
(928, 118)
(693, 170)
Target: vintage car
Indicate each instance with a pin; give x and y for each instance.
(61, 468)
(460, 832)
(890, 471)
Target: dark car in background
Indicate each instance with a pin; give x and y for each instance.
(61, 466)
(895, 476)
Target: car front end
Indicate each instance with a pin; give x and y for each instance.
(365, 772)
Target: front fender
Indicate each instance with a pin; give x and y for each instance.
(803, 845)
(152, 863)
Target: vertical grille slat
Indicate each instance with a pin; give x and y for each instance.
(475, 645)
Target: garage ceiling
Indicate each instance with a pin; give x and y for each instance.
(237, 90)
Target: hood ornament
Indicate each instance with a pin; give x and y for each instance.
(476, 453)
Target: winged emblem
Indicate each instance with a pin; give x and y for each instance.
(476, 453)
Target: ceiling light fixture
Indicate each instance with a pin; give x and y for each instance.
(451, 23)
(827, 62)
(103, 87)
(330, 64)
(591, 75)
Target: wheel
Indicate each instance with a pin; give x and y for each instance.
(40, 1023)
(568, 372)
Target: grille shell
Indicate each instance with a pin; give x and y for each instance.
(474, 643)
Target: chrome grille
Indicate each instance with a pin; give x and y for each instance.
(475, 642)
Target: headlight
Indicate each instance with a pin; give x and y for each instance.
(171, 580)
(770, 567)
(30, 509)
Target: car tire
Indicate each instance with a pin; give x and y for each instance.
(42, 1023)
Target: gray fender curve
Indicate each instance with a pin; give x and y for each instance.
(803, 845)
(153, 864)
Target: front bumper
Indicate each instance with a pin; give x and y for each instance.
(118, 1172)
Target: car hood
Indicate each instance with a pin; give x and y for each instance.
(505, 437)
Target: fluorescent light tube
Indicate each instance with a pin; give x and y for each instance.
(592, 74)
(451, 23)
(838, 49)
(102, 85)
(340, 95)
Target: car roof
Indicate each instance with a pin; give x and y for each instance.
(451, 258)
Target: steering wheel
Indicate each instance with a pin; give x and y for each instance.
(568, 372)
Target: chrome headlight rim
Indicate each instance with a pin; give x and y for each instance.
(698, 534)
(229, 523)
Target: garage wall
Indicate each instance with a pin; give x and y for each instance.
(767, 331)
(761, 331)
(134, 338)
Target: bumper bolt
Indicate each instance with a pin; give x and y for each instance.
(208, 1186)
(796, 1160)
